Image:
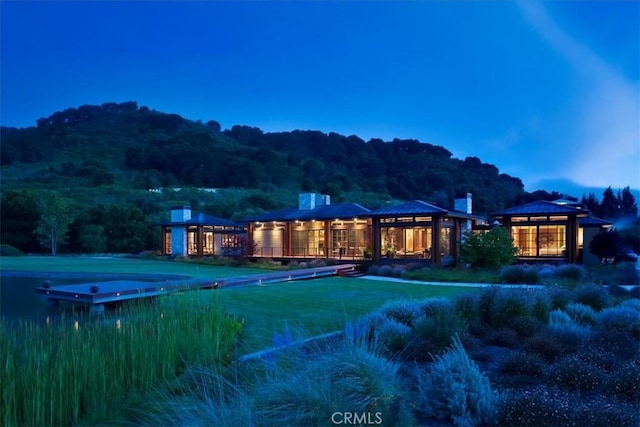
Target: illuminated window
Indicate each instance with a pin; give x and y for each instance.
(540, 240)
(167, 241)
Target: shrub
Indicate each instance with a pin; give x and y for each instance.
(485, 301)
(403, 311)
(582, 314)
(624, 382)
(626, 273)
(392, 336)
(439, 326)
(373, 270)
(385, 270)
(525, 364)
(539, 406)
(507, 306)
(503, 337)
(518, 274)
(307, 390)
(571, 271)
(434, 306)
(491, 249)
(203, 397)
(622, 320)
(572, 373)
(560, 297)
(565, 331)
(541, 305)
(544, 346)
(594, 296)
(8, 250)
(598, 411)
(397, 271)
(467, 307)
(526, 326)
(633, 303)
(455, 390)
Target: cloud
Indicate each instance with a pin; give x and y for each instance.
(605, 128)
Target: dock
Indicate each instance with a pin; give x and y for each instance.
(98, 294)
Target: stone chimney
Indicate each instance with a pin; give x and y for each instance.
(308, 201)
(181, 213)
(464, 204)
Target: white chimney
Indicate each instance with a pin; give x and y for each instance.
(181, 213)
(308, 201)
(464, 204)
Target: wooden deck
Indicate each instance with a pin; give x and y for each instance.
(122, 290)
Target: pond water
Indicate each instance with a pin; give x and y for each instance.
(19, 301)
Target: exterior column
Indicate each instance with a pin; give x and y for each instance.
(288, 240)
(376, 240)
(199, 241)
(436, 249)
(572, 240)
(327, 239)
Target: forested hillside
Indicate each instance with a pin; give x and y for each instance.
(102, 160)
(135, 147)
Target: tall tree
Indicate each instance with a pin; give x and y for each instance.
(55, 218)
(592, 203)
(627, 203)
(609, 204)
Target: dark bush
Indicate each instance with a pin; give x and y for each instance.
(503, 337)
(526, 326)
(560, 297)
(594, 296)
(582, 314)
(623, 320)
(467, 307)
(519, 274)
(508, 305)
(525, 364)
(539, 406)
(571, 271)
(598, 411)
(8, 250)
(544, 346)
(624, 381)
(572, 373)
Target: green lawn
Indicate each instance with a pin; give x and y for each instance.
(309, 307)
(87, 264)
(312, 307)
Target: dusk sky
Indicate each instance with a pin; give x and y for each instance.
(543, 91)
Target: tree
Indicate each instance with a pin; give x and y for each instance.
(627, 203)
(54, 221)
(18, 220)
(605, 245)
(491, 249)
(609, 204)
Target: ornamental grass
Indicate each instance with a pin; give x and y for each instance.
(70, 370)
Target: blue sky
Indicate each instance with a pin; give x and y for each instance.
(545, 91)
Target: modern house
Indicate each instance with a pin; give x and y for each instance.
(407, 232)
(550, 231)
(421, 230)
(313, 229)
(317, 229)
(196, 234)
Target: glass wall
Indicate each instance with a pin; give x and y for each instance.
(350, 243)
(411, 241)
(540, 240)
(308, 243)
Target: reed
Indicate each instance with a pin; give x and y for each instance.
(84, 368)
